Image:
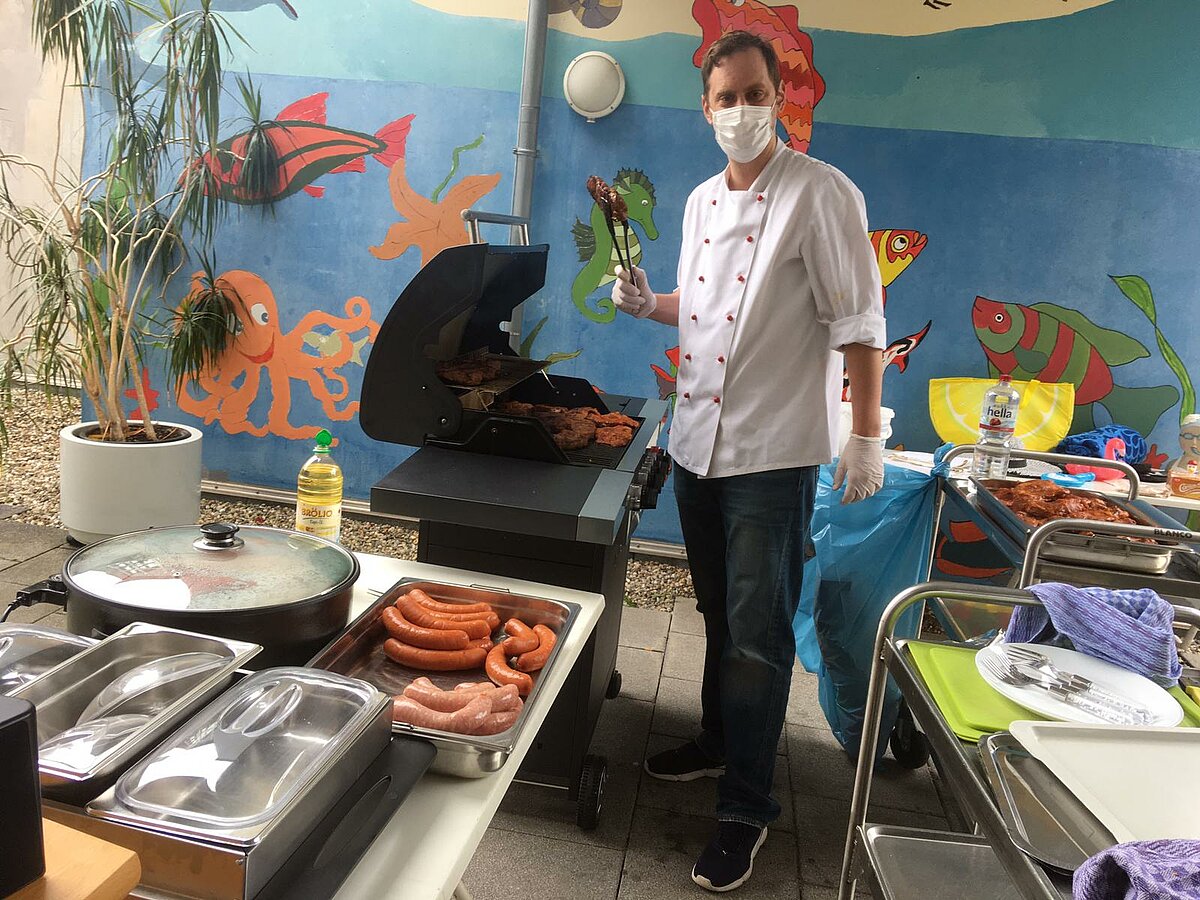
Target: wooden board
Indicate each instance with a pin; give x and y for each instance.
(81, 867)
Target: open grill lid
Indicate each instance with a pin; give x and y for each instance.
(453, 307)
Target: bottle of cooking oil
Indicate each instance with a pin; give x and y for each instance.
(319, 492)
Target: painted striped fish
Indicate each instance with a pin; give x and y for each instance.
(1051, 343)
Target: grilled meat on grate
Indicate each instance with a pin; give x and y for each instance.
(614, 436)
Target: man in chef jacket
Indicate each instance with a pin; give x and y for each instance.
(778, 285)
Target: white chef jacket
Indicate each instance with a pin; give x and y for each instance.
(773, 281)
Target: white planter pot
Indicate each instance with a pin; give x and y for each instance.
(111, 488)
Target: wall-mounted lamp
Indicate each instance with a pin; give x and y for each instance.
(594, 84)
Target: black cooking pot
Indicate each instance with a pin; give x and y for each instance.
(285, 590)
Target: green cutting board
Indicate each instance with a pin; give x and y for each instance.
(972, 707)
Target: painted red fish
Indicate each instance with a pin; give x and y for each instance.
(307, 148)
(666, 380)
(1154, 458)
(895, 250)
(966, 552)
(896, 354)
(1051, 343)
(803, 87)
(898, 350)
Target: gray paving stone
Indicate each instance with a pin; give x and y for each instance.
(677, 709)
(32, 570)
(821, 768)
(534, 810)
(664, 846)
(509, 865)
(686, 618)
(623, 729)
(684, 657)
(640, 671)
(620, 736)
(19, 541)
(644, 629)
(821, 833)
(55, 620)
(699, 797)
(803, 706)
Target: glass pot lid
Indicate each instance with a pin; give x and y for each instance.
(211, 568)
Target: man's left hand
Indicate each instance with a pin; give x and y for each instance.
(860, 467)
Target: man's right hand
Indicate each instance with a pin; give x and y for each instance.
(633, 296)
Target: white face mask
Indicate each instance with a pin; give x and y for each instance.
(744, 132)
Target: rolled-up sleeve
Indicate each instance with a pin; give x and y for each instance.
(841, 264)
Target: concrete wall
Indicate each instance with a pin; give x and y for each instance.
(35, 113)
(1042, 147)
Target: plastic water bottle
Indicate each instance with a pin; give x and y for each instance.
(319, 492)
(997, 425)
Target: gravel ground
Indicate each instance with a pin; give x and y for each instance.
(30, 483)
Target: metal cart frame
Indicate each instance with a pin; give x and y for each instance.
(957, 760)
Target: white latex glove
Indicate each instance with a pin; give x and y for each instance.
(860, 467)
(633, 296)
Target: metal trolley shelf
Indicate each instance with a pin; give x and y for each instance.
(958, 761)
(935, 865)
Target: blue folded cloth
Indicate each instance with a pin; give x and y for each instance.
(1092, 443)
(1141, 870)
(1131, 629)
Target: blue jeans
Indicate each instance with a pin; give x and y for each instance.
(745, 538)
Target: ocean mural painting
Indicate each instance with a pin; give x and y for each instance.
(1005, 174)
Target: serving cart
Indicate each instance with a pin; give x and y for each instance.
(900, 862)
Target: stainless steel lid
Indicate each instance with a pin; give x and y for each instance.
(216, 567)
(245, 759)
(27, 651)
(105, 706)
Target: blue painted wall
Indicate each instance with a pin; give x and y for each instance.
(1039, 158)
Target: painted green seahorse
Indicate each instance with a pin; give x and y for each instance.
(596, 248)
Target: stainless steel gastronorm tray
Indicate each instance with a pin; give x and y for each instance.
(907, 863)
(358, 652)
(1045, 820)
(62, 693)
(1103, 551)
(255, 769)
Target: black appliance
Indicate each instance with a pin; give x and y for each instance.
(21, 795)
(493, 492)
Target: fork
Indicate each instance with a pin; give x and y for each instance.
(1042, 663)
(1014, 676)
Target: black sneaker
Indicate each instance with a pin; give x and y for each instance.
(728, 860)
(686, 762)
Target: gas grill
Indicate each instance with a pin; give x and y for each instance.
(492, 490)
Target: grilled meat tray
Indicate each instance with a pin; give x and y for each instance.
(513, 370)
(1101, 551)
(358, 653)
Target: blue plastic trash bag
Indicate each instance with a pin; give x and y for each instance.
(866, 554)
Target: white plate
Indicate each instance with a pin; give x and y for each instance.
(1134, 688)
(1128, 776)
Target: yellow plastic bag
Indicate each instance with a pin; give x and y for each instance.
(1044, 419)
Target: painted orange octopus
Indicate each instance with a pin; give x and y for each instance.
(226, 392)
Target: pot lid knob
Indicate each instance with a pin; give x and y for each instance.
(218, 536)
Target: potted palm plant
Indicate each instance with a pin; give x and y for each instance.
(96, 258)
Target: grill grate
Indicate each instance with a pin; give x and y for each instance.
(596, 455)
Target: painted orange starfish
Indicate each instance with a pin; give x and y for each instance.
(429, 224)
